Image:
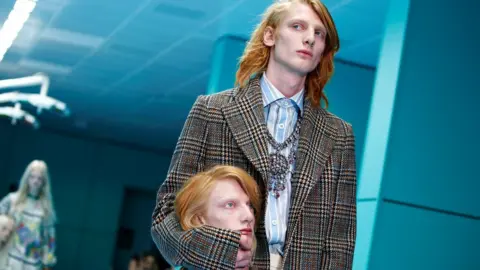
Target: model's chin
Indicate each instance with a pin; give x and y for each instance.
(304, 67)
(298, 66)
(303, 70)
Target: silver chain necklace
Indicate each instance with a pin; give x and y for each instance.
(280, 164)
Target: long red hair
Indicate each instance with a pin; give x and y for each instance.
(255, 58)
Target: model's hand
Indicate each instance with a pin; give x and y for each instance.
(244, 256)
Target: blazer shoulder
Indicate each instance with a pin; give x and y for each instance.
(344, 128)
(217, 100)
(208, 107)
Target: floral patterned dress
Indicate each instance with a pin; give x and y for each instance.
(33, 245)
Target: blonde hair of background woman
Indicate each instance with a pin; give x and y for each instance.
(45, 195)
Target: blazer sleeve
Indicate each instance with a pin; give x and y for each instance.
(201, 248)
(340, 242)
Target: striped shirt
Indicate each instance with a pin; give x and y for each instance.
(281, 115)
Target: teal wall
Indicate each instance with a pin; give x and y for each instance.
(223, 69)
(418, 200)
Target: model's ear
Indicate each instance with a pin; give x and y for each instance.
(201, 220)
(269, 36)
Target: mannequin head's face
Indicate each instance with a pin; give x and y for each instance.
(229, 207)
(35, 181)
(223, 197)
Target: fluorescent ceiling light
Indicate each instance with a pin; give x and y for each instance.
(16, 19)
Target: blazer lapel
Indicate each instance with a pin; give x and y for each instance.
(315, 146)
(246, 120)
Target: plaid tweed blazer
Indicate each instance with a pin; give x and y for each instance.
(229, 128)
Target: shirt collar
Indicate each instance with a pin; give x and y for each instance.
(271, 94)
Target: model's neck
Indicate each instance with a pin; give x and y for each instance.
(288, 83)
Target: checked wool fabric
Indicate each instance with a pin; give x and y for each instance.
(229, 128)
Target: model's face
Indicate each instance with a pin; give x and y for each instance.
(35, 182)
(229, 207)
(299, 41)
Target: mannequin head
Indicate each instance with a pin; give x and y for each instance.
(225, 197)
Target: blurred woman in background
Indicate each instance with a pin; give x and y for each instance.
(31, 245)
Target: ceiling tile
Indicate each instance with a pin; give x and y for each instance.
(42, 66)
(27, 37)
(99, 18)
(192, 55)
(181, 12)
(58, 53)
(71, 38)
(6, 6)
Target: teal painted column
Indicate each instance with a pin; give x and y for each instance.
(419, 204)
(378, 128)
(227, 51)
